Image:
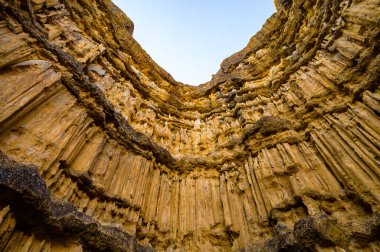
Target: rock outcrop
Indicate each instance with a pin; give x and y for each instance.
(101, 149)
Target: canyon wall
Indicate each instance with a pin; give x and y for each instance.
(101, 149)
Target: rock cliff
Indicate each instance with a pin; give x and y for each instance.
(101, 149)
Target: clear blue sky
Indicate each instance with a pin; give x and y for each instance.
(190, 38)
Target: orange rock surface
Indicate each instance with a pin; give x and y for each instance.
(101, 149)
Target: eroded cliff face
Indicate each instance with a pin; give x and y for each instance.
(101, 149)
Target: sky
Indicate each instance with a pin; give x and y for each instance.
(190, 39)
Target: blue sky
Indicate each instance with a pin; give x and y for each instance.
(189, 39)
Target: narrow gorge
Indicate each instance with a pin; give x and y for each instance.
(102, 150)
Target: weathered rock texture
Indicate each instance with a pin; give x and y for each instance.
(101, 149)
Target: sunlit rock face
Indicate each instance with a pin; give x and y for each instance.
(101, 149)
